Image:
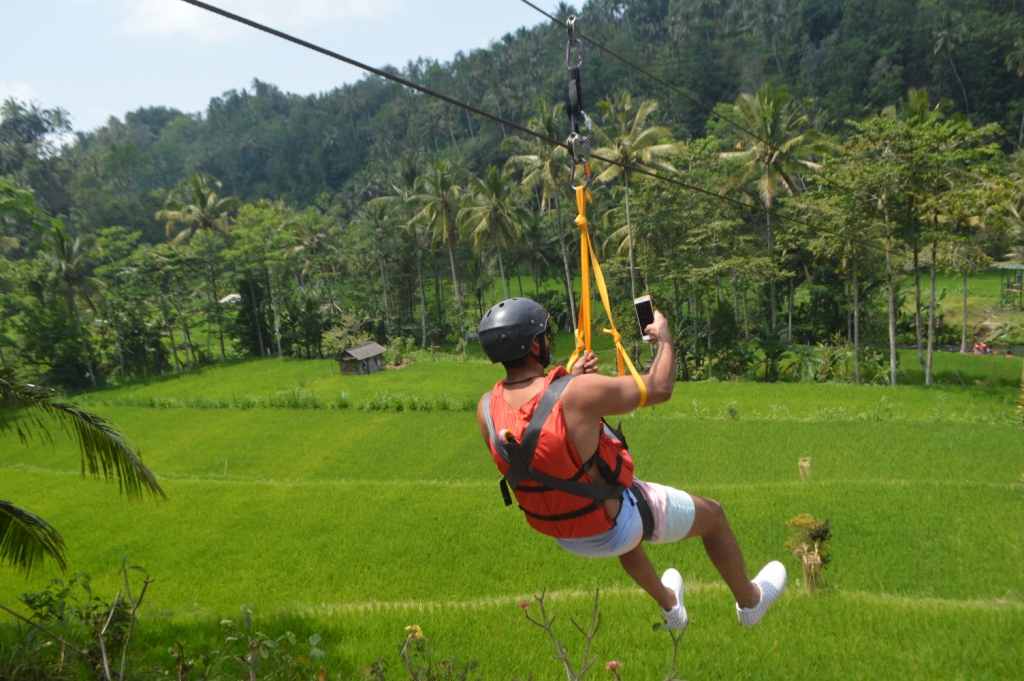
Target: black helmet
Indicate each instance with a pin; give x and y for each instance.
(508, 329)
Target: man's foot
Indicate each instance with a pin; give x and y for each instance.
(771, 580)
(676, 618)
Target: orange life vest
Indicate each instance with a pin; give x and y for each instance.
(532, 449)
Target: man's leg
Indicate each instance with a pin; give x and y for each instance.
(720, 543)
(638, 566)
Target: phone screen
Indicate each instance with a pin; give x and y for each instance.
(644, 314)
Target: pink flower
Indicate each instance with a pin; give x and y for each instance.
(524, 605)
(613, 665)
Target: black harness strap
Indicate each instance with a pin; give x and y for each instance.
(644, 508)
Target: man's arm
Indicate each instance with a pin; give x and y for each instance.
(595, 395)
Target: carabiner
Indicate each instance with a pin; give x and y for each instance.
(586, 170)
(570, 26)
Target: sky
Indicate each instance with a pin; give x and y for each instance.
(102, 58)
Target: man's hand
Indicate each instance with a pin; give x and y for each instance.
(659, 331)
(586, 364)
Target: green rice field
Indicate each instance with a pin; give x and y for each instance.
(356, 518)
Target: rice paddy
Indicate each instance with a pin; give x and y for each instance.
(355, 521)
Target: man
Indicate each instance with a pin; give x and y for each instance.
(573, 476)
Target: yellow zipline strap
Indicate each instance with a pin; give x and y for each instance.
(584, 338)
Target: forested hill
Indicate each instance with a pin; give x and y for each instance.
(853, 57)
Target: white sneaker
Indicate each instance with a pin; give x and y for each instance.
(676, 618)
(772, 581)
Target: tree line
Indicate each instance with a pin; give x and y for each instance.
(291, 226)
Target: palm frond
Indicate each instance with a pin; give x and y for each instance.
(103, 448)
(26, 539)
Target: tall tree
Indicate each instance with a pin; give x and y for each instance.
(947, 40)
(771, 164)
(547, 167)
(196, 205)
(630, 141)
(494, 213)
(1015, 63)
(765, 19)
(402, 192)
(438, 197)
(69, 255)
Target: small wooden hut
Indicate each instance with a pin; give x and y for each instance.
(367, 358)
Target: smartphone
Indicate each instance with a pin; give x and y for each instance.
(644, 315)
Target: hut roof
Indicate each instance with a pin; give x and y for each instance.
(364, 351)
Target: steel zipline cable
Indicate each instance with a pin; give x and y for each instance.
(656, 79)
(498, 119)
(685, 95)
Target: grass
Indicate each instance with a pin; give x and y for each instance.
(355, 524)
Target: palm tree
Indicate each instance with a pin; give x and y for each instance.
(438, 198)
(765, 19)
(195, 204)
(772, 162)
(402, 193)
(313, 240)
(547, 167)
(1015, 63)
(26, 410)
(631, 143)
(494, 213)
(68, 257)
(947, 40)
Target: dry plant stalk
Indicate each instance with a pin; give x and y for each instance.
(805, 469)
(810, 561)
(547, 624)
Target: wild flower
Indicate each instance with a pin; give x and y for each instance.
(414, 631)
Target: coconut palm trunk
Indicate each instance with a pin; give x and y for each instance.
(501, 269)
(792, 293)
(931, 319)
(423, 294)
(565, 261)
(629, 231)
(856, 323)
(956, 72)
(174, 348)
(256, 317)
(771, 249)
(216, 307)
(917, 301)
(455, 285)
(384, 290)
(81, 336)
(891, 294)
(963, 330)
(273, 305)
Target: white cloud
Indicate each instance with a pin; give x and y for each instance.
(23, 92)
(174, 18)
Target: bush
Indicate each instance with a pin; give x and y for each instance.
(809, 545)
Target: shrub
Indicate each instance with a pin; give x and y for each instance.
(810, 546)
